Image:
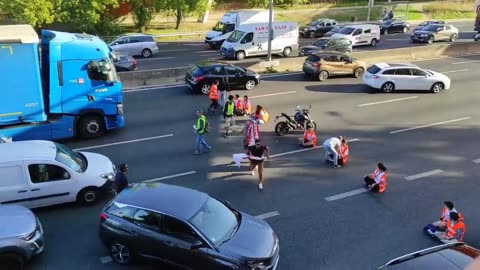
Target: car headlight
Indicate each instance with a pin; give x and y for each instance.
(108, 176)
(257, 265)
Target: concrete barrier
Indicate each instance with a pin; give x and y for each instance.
(173, 75)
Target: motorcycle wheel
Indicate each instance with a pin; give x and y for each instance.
(281, 128)
(314, 125)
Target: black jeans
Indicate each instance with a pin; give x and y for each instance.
(214, 104)
(370, 181)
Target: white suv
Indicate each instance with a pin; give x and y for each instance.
(389, 77)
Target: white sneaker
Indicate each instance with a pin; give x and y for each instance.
(260, 186)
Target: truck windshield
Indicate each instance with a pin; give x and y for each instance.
(236, 36)
(102, 70)
(72, 159)
(219, 27)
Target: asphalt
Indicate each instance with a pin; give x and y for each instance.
(357, 232)
(183, 54)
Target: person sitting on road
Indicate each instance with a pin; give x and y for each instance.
(259, 115)
(214, 96)
(332, 147)
(238, 106)
(455, 230)
(345, 153)
(309, 138)
(377, 182)
(448, 208)
(247, 106)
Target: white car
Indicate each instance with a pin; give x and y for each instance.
(41, 173)
(389, 77)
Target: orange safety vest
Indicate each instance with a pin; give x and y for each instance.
(345, 154)
(310, 135)
(239, 105)
(382, 181)
(452, 230)
(214, 92)
(446, 211)
(248, 106)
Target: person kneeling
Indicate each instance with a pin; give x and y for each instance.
(378, 180)
(309, 138)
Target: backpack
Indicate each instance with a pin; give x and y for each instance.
(265, 116)
(207, 126)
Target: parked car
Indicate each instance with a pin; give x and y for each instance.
(137, 44)
(341, 44)
(327, 64)
(202, 75)
(317, 28)
(361, 34)
(435, 32)
(394, 26)
(41, 173)
(21, 236)
(334, 30)
(427, 23)
(124, 62)
(449, 256)
(477, 37)
(187, 228)
(389, 77)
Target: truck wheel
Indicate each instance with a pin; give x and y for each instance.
(11, 261)
(240, 55)
(287, 51)
(88, 196)
(91, 126)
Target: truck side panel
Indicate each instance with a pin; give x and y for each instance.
(21, 87)
(53, 130)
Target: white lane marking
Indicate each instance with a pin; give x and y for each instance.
(155, 58)
(177, 50)
(477, 161)
(208, 52)
(158, 69)
(124, 142)
(453, 71)
(466, 62)
(275, 94)
(205, 55)
(268, 215)
(346, 194)
(169, 177)
(279, 75)
(105, 259)
(303, 150)
(430, 125)
(386, 101)
(154, 88)
(421, 175)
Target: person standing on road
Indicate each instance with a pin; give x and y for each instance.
(200, 129)
(256, 156)
(332, 147)
(378, 180)
(229, 114)
(121, 180)
(214, 96)
(247, 106)
(224, 91)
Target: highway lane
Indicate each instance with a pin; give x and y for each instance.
(314, 233)
(181, 54)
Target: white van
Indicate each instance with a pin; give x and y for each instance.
(41, 173)
(361, 34)
(252, 40)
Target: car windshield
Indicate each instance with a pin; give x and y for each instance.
(431, 28)
(335, 29)
(216, 221)
(71, 159)
(320, 42)
(347, 30)
(236, 36)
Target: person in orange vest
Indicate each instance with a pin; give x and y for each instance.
(455, 230)
(247, 107)
(238, 106)
(309, 137)
(345, 152)
(377, 182)
(214, 96)
(448, 208)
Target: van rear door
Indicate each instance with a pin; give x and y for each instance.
(14, 188)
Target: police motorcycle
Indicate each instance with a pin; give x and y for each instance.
(299, 121)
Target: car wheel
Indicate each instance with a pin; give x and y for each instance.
(453, 37)
(388, 87)
(205, 89)
(323, 75)
(250, 84)
(121, 253)
(358, 72)
(240, 55)
(88, 196)
(385, 32)
(437, 87)
(405, 29)
(11, 261)
(146, 53)
(90, 126)
(287, 51)
(311, 34)
(430, 39)
(373, 43)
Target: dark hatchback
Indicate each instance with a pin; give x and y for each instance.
(394, 26)
(335, 30)
(341, 44)
(185, 228)
(455, 256)
(202, 75)
(125, 62)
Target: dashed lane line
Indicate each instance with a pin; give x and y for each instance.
(123, 142)
(430, 125)
(268, 215)
(476, 161)
(168, 177)
(387, 101)
(346, 194)
(422, 175)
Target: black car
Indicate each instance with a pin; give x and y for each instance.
(427, 23)
(334, 30)
(124, 62)
(202, 75)
(455, 256)
(394, 26)
(339, 44)
(186, 228)
(317, 28)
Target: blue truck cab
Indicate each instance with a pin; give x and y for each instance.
(64, 86)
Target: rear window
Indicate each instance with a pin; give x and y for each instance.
(121, 212)
(313, 58)
(196, 71)
(373, 69)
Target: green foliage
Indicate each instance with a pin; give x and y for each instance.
(143, 12)
(86, 15)
(34, 12)
(183, 7)
(265, 3)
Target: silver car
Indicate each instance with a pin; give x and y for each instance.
(138, 44)
(21, 236)
(435, 32)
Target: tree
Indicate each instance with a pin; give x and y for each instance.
(37, 13)
(265, 3)
(143, 12)
(182, 7)
(86, 15)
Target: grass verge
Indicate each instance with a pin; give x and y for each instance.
(450, 10)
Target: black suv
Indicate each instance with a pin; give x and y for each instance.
(186, 228)
(338, 44)
(317, 28)
(202, 75)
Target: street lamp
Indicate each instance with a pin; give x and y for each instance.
(270, 32)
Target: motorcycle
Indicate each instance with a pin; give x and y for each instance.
(299, 121)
